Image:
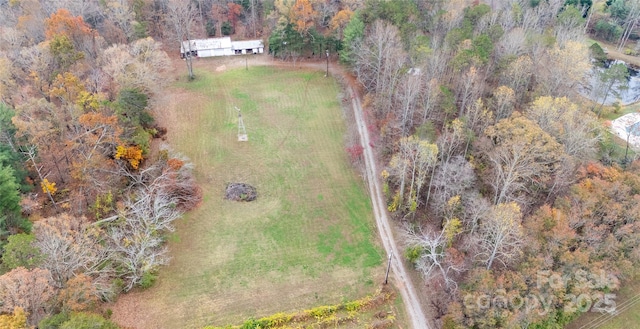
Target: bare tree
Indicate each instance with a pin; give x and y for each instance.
(469, 87)
(71, 246)
(503, 102)
(518, 76)
(412, 163)
(379, 62)
(569, 25)
(119, 11)
(501, 234)
(181, 16)
(630, 23)
(477, 118)
(407, 98)
(451, 178)
(435, 261)
(513, 43)
(158, 196)
(449, 143)
(428, 97)
(137, 65)
(30, 153)
(476, 208)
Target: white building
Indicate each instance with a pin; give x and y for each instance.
(220, 47)
(247, 47)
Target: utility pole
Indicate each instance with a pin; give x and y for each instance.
(386, 276)
(626, 152)
(326, 75)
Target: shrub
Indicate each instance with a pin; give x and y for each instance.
(413, 253)
(54, 321)
(147, 280)
(598, 53)
(607, 30)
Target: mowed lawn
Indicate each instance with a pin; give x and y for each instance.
(308, 240)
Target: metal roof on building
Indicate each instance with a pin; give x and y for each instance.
(247, 44)
(213, 43)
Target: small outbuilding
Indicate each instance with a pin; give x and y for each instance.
(627, 127)
(247, 47)
(219, 47)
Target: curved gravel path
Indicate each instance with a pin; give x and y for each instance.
(403, 281)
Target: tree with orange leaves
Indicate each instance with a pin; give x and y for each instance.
(30, 290)
(302, 16)
(235, 10)
(340, 21)
(62, 23)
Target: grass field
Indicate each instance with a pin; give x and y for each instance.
(310, 237)
(627, 306)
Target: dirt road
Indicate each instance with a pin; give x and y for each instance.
(403, 281)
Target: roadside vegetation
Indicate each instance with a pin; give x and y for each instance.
(373, 311)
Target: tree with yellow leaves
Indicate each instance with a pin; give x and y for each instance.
(48, 187)
(302, 16)
(15, 320)
(132, 154)
(564, 69)
(410, 166)
(522, 158)
(577, 130)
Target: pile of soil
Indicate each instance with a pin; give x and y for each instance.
(240, 192)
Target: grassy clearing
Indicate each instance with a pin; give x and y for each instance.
(628, 306)
(308, 239)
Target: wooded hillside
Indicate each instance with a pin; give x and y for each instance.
(86, 199)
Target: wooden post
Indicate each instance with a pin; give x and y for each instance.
(386, 276)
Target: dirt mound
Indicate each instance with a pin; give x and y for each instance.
(240, 192)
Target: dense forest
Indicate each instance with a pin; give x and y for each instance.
(515, 203)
